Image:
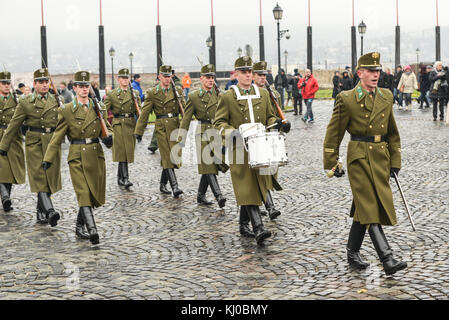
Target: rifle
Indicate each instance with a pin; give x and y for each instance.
(14, 94)
(58, 97)
(273, 99)
(134, 99)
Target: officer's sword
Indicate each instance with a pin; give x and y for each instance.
(405, 201)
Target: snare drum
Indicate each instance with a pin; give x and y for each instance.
(267, 150)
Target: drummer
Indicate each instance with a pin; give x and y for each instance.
(260, 79)
(250, 185)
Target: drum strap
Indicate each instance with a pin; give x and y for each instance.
(249, 98)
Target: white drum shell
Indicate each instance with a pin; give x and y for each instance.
(267, 150)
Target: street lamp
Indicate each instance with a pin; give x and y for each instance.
(277, 13)
(131, 56)
(112, 53)
(362, 30)
(417, 61)
(286, 55)
(239, 52)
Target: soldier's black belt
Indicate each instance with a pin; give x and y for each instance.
(168, 115)
(3, 126)
(124, 115)
(42, 130)
(377, 138)
(205, 121)
(85, 141)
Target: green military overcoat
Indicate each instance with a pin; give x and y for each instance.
(120, 102)
(368, 163)
(163, 102)
(37, 114)
(250, 186)
(86, 161)
(12, 167)
(203, 105)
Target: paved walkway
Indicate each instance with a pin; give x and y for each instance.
(156, 247)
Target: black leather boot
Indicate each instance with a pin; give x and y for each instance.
(119, 175)
(259, 231)
(125, 175)
(269, 205)
(384, 251)
(356, 235)
(6, 200)
(88, 218)
(47, 207)
(202, 188)
(213, 182)
(244, 224)
(40, 214)
(80, 230)
(164, 180)
(173, 182)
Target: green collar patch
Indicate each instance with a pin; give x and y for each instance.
(75, 104)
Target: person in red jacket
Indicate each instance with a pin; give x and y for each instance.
(308, 86)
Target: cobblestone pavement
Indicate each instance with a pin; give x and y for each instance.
(156, 247)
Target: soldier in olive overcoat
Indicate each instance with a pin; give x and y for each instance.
(122, 104)
(40, 111)
(202, 104)
(374, 154)
(250, 184)
(12, 167)
(162, 100)
(80, 122)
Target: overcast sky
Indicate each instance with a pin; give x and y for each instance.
(73, 25)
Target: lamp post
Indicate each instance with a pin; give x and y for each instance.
(239, 52)
(209, 44)
(277, 13)
(362, 30)
(285, 55)
(417, 61)
(131, 56)
(112, 53)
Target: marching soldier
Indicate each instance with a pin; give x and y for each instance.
(12, 167)
(40, 111)
(203, 103)
(161, 99)
(121, 103)
(250, 185)
(80, 122)
(374, 153)
(260, 79)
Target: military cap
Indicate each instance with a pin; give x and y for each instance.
(243, 63)
(123, 73)
(208, 70)
(5, 76)
(81, 77)
(165, 70)
(370, 61)
(41, 74)
(260, 67)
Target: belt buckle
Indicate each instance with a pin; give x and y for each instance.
(47, 130)
(170, 115)
(126, 115)
(377, 138)
(88, 140)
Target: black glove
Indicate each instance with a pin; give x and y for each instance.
(46, 165)
(286, 126)
(339, 172)
(138, 137)
(3, 153)
(107, 141)
(392, 170)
